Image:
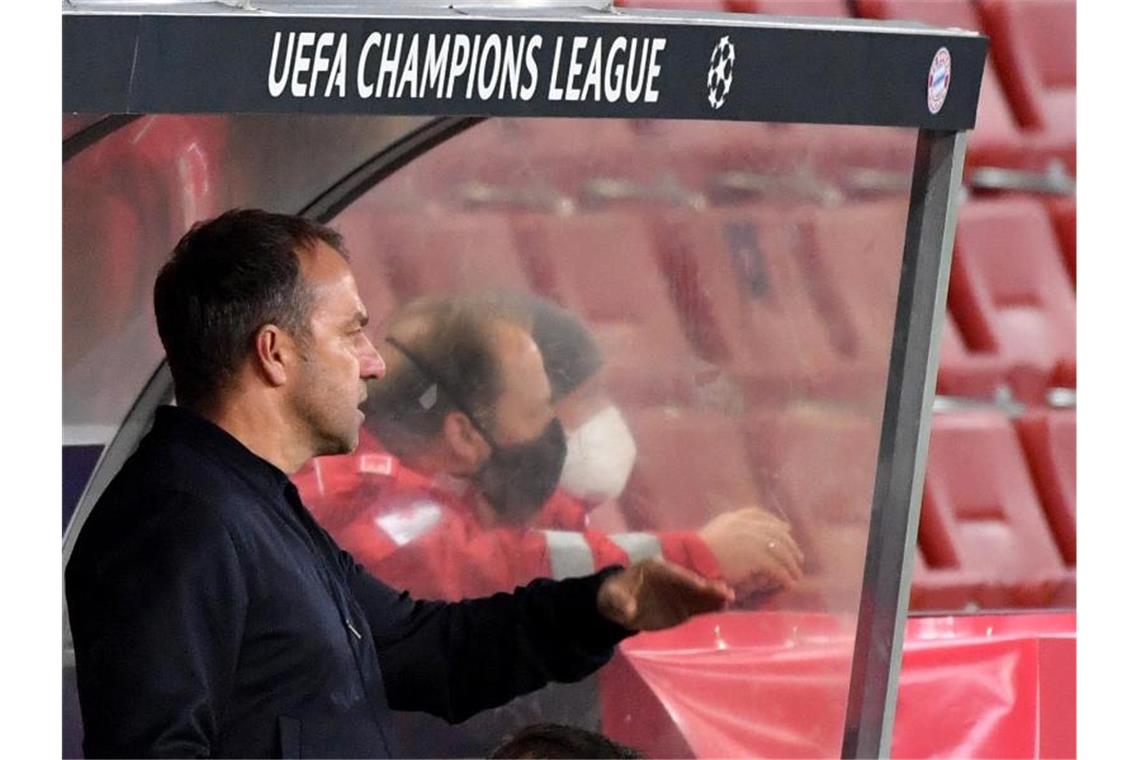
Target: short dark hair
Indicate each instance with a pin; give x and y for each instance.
(226, 279)
(453, 366)
(551, 740)
(569, 351)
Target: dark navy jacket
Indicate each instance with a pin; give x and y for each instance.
(213, 617)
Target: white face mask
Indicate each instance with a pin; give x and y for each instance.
(599, 457)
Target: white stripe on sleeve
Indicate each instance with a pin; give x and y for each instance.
(570, 554)
(638, 546)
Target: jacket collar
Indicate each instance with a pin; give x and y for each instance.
(184, 425)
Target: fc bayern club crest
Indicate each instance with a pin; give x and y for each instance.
(938, 81)
(720, 72)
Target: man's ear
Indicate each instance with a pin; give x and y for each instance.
(464, 441)
(274, 351)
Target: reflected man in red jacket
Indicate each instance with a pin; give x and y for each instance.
(472, 485)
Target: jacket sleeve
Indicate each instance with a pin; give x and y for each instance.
(157, 625)
(574, 553)
(450, 559)
(453, 659)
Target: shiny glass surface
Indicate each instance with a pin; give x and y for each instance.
(129, 197)
(740, 281)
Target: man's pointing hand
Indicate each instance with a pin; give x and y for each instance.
(656, 594)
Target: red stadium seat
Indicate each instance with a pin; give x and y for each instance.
(854, 271)
(365, 244)
(165, 171)
(116, 265)
(827, 8)
(1065, 376)
(941, 590)
(739, 289)
(690, 467)
(962, 372)
(1050, 441)
(563, 154)
(1064, 213)
(603, 267)
(1009, 292)
(1034, 46)
(449, 253)
(833, 316)
(697, 151)
(787, 163)
(517, 163)
(981, 515)
(852, 256)
(816, 465)
(995, 140)
(793, 303)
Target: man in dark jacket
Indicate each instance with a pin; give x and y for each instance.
(212, 616)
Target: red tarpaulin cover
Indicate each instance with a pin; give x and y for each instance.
(774, 684)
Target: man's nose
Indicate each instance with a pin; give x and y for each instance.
(371, 365)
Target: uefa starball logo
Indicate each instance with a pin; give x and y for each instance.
(720, 72)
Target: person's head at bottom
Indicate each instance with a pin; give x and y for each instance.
(551, 740)
(263, 329)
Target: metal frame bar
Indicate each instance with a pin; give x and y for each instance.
(393, 158)
(786, 70)
(903, 444)
(93, 133)
(159, 388)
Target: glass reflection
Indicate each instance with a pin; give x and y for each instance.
(707, 311)
(130, 196)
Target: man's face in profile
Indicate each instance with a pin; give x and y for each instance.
(336, 356)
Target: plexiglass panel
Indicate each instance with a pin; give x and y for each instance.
(725, 299)
(130, 196)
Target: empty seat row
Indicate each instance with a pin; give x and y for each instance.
(1027, 102)
(782, 302)
(127, 198)
(794, 296)
(998, 524)
(587, 162)
(1012, 303)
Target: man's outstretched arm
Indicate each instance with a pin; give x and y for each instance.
(455, 659)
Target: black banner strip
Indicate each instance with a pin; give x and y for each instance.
(454, 66)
